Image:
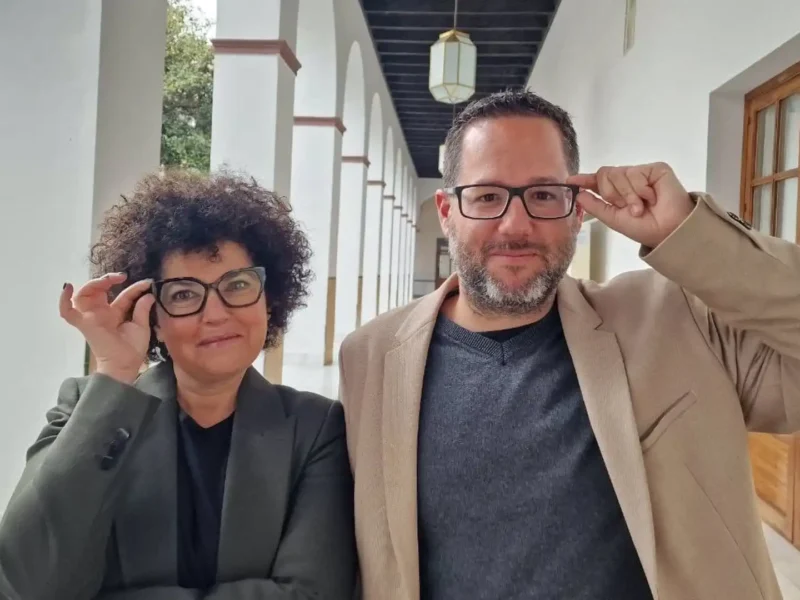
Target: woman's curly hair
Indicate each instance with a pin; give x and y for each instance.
(184, 211)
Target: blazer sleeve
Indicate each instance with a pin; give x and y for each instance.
(349, 406)
(743, 291)
(316, 559)
(54, 532)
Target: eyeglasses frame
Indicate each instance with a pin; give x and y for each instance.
(157, 286)
(513, 192)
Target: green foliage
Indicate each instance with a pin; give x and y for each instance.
(188, 88)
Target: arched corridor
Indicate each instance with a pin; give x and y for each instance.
(329, 104)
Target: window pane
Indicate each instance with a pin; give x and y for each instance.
(765, 141)
(790, 133)
(762, 208)
(787, 210)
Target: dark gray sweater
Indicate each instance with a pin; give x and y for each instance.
(514, 498)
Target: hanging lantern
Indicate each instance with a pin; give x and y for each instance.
(441, 158)
(452, 69)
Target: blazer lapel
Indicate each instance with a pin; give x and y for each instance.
(604, 385)
(146, 525)
(257, 483)
(404, 371)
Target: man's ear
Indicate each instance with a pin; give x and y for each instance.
(580, 212)
(444, 206)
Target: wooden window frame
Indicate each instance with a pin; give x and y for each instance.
(771, 92)
(766, 449)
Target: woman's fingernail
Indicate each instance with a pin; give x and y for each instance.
(63, 287)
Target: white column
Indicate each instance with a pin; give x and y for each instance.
(406, 254)
(394, 265)
(80, 123)
(373, 211)
(316, 173)
(401, 253)
(404, 284)
(412, 251)
(254, 80)
(348, 256)
(414, 233)
(386, 252)
(395, 250)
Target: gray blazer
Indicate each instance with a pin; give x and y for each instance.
(95, 513)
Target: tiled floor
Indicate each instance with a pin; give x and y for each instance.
(325, 381)
(787, 564)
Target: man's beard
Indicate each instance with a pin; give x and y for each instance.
(489, 295)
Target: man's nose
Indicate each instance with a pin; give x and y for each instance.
(516, 217)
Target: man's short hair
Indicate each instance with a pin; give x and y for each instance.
(508, 103)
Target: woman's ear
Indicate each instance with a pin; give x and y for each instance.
(154, 324)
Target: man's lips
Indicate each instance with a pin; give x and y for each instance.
(514, 253)
(218, 339)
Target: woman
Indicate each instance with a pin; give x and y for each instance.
(196, 478)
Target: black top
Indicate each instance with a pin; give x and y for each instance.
(202, 462)
(504, 335)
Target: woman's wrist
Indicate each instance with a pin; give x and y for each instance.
(126, 376)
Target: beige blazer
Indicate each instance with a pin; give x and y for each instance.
(676, 364)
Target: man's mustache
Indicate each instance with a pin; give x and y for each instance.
(515, 245)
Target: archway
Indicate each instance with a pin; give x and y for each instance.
(370, 256)
(387, 209)
(400, 184)
(316, 166)
(349, 223)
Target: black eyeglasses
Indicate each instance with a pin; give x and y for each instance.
(541, 200)
(185, 296)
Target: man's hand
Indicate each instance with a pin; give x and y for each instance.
(645, 203)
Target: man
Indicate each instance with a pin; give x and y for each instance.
(521, 434)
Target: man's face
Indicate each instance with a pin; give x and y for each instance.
(513, 264)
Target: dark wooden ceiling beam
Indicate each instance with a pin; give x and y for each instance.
(490, 47)
(423, 77)
(464, 6)
(433, 32)
(510, 75)
(508, 35)
(479, 37)
(441, 22)
(483, 64)
(512, 52)
(412, 113)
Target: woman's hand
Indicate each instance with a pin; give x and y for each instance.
(119, 345)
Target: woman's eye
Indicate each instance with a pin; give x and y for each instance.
(239, 284)
(182, 295)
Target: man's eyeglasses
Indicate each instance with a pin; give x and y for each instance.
(185, 296)
(541, 200)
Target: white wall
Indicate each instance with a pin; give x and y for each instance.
(425, 251)
(60, 126)
(427, 186)
(653, 103)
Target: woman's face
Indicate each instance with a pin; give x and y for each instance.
(219, 341)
